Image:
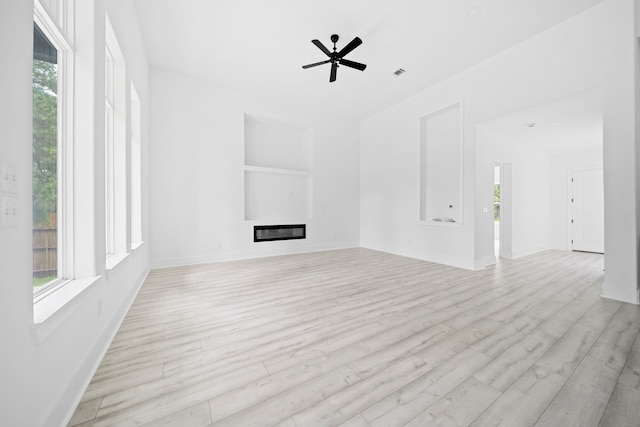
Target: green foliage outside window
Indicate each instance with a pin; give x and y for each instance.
(44, 171)
(496, 202)
(45, 146)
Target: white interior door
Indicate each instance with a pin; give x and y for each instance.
(587, 202)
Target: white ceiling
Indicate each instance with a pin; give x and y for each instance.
(564, 125)
(258, 46)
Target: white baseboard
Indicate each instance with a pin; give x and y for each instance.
(412, 253)
(525, 252)
(631, 296)
(69, 399)
(261, 253)
(487, 261)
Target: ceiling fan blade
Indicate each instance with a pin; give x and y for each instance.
(316, 64)
(352, 64)
(334, 69)
(350, 46)
(321, 47)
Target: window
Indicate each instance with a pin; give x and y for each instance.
(108, 155)
(136, 169)
(496, 202)
(115, 143)
(45, 158)
(52, 116)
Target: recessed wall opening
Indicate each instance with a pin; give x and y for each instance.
(268, 233)
(278, 184)
(441, 165)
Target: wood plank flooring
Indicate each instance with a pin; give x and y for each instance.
(363, 338)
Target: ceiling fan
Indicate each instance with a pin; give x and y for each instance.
(337, 58)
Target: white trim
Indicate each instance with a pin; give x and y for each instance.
(631, 296)
(526, 251)
(45, 22)
(115, 259)
(116, 153)
(109, 190)
(292, 247)
(135, 169)
(569, 209)
(66, 166)
(65, 157)
(59, 296)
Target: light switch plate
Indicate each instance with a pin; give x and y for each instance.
(8, 212)
(8, 176)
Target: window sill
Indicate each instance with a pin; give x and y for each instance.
(115, 259)
(135, 246)
(63, 293)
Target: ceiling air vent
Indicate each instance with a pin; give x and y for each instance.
(399, 72)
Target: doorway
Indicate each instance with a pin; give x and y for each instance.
(528, 156)
(502, 211)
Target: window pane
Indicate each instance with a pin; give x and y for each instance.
(136, 169)
(116, 202)
(109, 188)
(496, 202)
(45, 159)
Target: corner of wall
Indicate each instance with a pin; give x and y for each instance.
(618, 293)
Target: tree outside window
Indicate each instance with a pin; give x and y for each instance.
(45, 159)
(496, 202)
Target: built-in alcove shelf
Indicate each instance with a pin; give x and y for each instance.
(441, 171)
(278, 179)
(441, 224)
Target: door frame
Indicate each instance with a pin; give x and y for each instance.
(506, 220)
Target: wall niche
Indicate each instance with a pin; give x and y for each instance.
(441, 166)
(278, 181)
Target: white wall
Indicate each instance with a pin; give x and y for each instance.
(594, 49)
(44, 368)
(197, 175)
(561, 165)
(390, 187)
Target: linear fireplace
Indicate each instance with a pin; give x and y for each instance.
(268, 233)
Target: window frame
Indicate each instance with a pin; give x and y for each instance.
(65, 140)
(135, 168)
(109, 141)
(116, 185)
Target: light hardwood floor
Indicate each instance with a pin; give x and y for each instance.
(362, 338)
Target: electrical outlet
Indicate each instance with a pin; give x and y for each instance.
(8, 176)
(8, 212)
